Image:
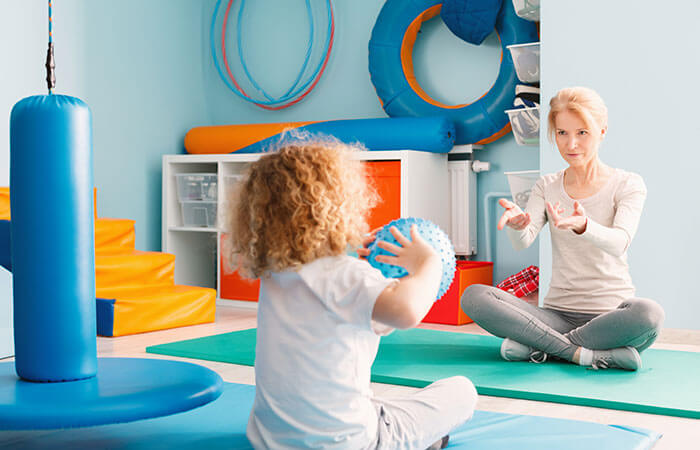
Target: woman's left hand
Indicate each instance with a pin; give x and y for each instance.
(576, 221)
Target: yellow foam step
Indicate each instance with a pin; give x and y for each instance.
(4, 203)
(135, 268)
(138, 310)
(114, 235)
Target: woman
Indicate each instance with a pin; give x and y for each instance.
(590, 316)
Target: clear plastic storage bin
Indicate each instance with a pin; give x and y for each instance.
(525, 123)
(527, 9)
(230, 181)
(198, 213)
(526, 58)
(521, 184)
(196, 186)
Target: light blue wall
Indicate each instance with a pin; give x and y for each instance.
(145, 69)
(23, 43)
(448, 68)
(643, 61)
(139, 67)
(144, 83)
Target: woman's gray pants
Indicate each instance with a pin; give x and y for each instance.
(636, 323)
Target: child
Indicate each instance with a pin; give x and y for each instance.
(321, 312)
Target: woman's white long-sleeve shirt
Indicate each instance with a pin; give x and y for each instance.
(589, 270)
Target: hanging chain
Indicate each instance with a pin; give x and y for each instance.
(50, 63)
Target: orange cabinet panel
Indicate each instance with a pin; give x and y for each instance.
(233, 287)
(386, 177)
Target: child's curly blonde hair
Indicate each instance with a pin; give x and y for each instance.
(307, 200)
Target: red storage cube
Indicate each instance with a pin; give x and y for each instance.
(447, 309)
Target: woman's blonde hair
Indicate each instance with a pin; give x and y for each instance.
(584, 102)
(306, 200)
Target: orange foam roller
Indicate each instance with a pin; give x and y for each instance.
(229, 138)
(430, 134)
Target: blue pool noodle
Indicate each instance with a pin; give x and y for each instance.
(428, 134)
(52, 246)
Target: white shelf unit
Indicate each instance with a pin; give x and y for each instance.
(424, 192)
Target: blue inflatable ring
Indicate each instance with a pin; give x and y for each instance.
(391, 71)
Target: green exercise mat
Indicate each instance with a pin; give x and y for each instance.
(668, 383)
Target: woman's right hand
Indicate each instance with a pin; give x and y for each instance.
(513, 216)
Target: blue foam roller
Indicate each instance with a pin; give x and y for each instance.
(428, 134)
(437, 238)
(52, 246)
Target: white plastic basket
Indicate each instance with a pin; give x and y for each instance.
(525, 123)
(521, 184)
(527, 9)
(526, 59)
(196, 186)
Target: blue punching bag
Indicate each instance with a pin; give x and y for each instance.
(53, 249)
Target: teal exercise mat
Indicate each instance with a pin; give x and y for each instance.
(222, 423)
(667, 384)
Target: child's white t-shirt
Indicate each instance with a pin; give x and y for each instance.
(316, 343)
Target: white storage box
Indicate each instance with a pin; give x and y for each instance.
(526, 58)
(521, 184)
(196, 186)
(525, 123)
(527, 9)
(198, 214)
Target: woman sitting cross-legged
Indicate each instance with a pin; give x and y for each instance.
(591, 314)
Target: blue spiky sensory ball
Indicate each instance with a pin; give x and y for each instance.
(432, 234)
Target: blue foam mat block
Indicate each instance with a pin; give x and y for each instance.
(222, 423)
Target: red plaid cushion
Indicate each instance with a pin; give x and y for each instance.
(522, 283)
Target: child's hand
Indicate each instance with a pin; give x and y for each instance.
(411, 255)
(513, 216)
(363, 252)
(404, 304)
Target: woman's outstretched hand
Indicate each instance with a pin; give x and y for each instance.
(576, 222)
(513, 216)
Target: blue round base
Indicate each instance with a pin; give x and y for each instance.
(124, 390)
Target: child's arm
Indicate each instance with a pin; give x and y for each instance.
(404, 304)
